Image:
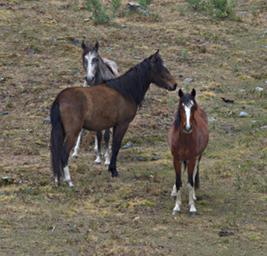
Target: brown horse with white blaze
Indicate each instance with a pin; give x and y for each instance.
(111, 104)
(188, 138)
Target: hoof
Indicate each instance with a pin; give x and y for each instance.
(74, 156)
(192, 214)
(97, 161)
(173, 194)
(107, 163)
(114, 174)
(192, 210)
(70, 184)
(56, 182)
(175, 212)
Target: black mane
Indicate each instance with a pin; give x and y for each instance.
(134, 83)
(177, 119)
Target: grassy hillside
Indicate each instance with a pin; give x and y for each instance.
(40, 55)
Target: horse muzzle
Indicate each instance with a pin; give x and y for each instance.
(187, 131)
(173, 87)
(89, 81)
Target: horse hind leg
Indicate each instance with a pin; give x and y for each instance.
(98, 139)
(68, 145)
(77, 146)
(106, 140)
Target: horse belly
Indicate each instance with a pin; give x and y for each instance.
(100, 121)
(107, 108)
(109, 117)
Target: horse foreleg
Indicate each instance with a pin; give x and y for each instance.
(118, 134)
(106, 140)
(77, 146)
(192, 172)
(98, 139)
(196, 176)
(176, 191)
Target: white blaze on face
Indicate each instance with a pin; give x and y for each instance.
(91, 66)
(187, 109)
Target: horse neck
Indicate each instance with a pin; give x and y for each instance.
(134, 83)
(103, 72)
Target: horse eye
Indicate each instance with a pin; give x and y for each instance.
(95, 60)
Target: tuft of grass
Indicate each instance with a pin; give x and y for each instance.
(144, 3)
(184, 55)
(115, 5)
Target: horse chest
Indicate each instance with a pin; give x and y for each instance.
(187, 146)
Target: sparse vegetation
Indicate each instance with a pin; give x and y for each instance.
(115, 5)
(131, 215)
(99, 13)
(215, 8)
(103, 14)
(184, 55)
(144, 3)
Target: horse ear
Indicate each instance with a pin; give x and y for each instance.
(180, 93)
(96, 46)
(193, 93)
(154, 57)
(83, 45)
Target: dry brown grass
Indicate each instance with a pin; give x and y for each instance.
(131, 215)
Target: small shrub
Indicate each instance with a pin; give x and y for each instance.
(99, 14)
(102, 14)
(223, 8)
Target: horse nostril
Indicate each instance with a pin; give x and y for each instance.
(88, 80)
(187, 129)
(173, 87)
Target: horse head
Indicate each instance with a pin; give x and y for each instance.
(160, 75)
(91, 60)
(187, 107)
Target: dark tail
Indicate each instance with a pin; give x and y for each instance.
(57, 140)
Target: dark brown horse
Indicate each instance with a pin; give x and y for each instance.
(112, 104)
(188, 138)
(98, 70)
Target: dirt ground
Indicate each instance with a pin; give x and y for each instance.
(132, 215)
